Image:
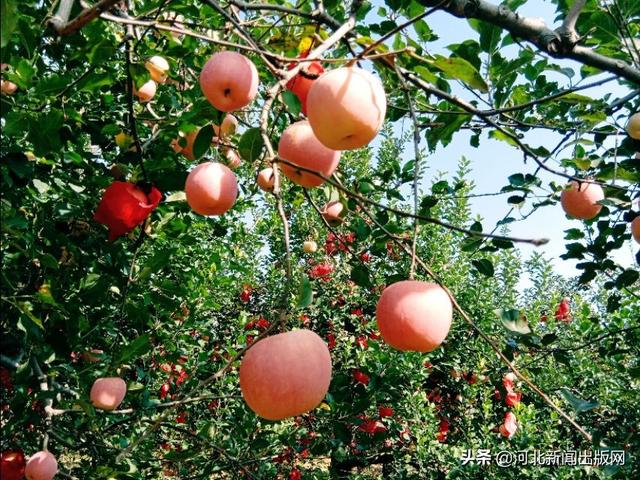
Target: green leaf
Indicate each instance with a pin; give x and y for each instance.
(202, 142)
(513, 321)
(627, 278)
(578, 404)
(8, 19)
(292, 102)
(305, 293)
(484, 266)
(251, 144)
(134, 349)
(360, 276)
(462, 70)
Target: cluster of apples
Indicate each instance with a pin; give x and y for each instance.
(345, 110)
(580, 199)
(158, 69)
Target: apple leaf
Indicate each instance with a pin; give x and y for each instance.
(251, 144)
(484, 266)
(9, 15)
(202, 142)
(305, 293)
(578, 404)
(461, 69)
(134, 349)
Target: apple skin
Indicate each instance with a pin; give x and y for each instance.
(107, 393)
(12, 465)
(414, 315)
(7, 87)
(635, 229)
(211, 189)
(346, 108)
(331, 212)
(310, 246)
(633, 126)
(228, 126)
(285, 375)
(41, 466)
(229, 81)
(301, 84)
(146, 92)
(187, 150)
(299, 145)
(579, 200)
(158, 68)
(233, 158)
(266, 179)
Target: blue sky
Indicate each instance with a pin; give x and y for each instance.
(494, 161)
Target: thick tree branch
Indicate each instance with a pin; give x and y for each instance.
(536, 32)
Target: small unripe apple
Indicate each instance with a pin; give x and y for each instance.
(579, 200)
(7, 87)
(233, 158)
(635, 229)
(146, 92)
(332, 213)
(633, 126)
(107, 393)
(228, 126)
(310, 246)
(266, 179)
(229, 80)
(41, 466)
(158, 68)
(187, 150)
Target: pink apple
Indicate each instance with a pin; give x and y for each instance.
(211, 189)
(266, 179)
(146, 92)
(346, 108)
(299, 145)
(41, 466)
(332, 213)
(229, 81)
(107, 393)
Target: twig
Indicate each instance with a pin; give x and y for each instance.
(535, 241)
(84, 17)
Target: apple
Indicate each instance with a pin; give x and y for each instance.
(12, 465)
(229, 81)
(7, 87)
(302, 82)
(332, 213)
(578, 200)
(633, 126)
(414, 315)
(146, 92)
(346, 108)
(635, 229)
(299, 145)
(158, 68)
(310, 246)
(41, 466)
(107, 393)
(266, 179)
(286, 375)
(233, 158)
(228, 126)
(187, 150)
(211, 189)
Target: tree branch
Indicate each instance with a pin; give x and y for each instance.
(63, 27)
(537, 33)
